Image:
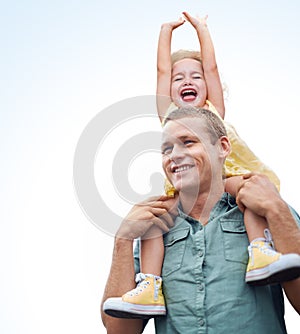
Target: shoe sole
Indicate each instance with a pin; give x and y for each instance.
(117, 308)
(286, 269)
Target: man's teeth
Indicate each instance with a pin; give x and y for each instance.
(182, 168)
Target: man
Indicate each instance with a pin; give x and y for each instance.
(206, 244)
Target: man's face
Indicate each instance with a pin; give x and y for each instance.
(188, 154)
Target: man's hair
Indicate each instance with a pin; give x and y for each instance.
(184, 54)
(214, 124)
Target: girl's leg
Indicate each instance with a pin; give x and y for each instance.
(146, 300)
(255, 225)
(265, 265)
(152, 252)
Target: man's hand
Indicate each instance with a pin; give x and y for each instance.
(257, 193)
(158, 211)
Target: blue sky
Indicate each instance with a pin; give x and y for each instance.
(62, 62)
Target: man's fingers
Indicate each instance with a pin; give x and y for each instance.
(156, 200)
(160, 223)
(163, 202)
(153, 199)
(247, 176)
(240, 204)
(163, 214)
(244, 180)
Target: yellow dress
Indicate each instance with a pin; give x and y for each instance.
(240, 161)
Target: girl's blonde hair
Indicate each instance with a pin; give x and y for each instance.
(183, 54)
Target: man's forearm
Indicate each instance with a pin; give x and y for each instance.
(121, 280)
(292, 291)
(284, 228)
(286, 236)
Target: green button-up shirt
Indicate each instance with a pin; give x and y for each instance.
(204, 279)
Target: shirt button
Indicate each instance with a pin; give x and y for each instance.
(201, 322)
(201, 287)
(200, 253)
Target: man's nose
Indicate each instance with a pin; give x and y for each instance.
(177, 153)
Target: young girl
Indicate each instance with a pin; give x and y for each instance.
(189, 79)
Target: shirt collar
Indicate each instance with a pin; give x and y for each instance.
(225, 199)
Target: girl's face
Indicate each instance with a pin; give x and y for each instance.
(188, 87)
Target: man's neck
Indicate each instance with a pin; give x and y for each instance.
(199, 207)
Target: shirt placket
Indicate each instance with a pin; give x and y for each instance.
(199, 251)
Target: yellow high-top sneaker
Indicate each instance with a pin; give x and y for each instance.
(266, 266)
(143, 302)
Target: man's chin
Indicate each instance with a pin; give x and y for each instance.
(187, 188)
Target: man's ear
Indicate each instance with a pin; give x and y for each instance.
(225, 147)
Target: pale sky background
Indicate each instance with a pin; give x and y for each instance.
(62, 62)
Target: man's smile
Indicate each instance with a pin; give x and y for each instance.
(179, 169)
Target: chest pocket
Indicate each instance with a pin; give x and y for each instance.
(235, 241)
(175, 243)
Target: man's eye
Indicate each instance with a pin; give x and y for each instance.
(188, 142)
(167, 150)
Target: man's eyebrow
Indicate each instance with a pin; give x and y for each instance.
(190, 136)
(181, 138)
(165, 144)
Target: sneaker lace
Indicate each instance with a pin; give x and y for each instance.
(140, 277)
(269, 238)
(142, 283)
(267, 247)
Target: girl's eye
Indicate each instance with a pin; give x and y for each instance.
(197, 77)
(177, 78)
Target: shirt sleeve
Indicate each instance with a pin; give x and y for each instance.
(295, 215)
(136, 256)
